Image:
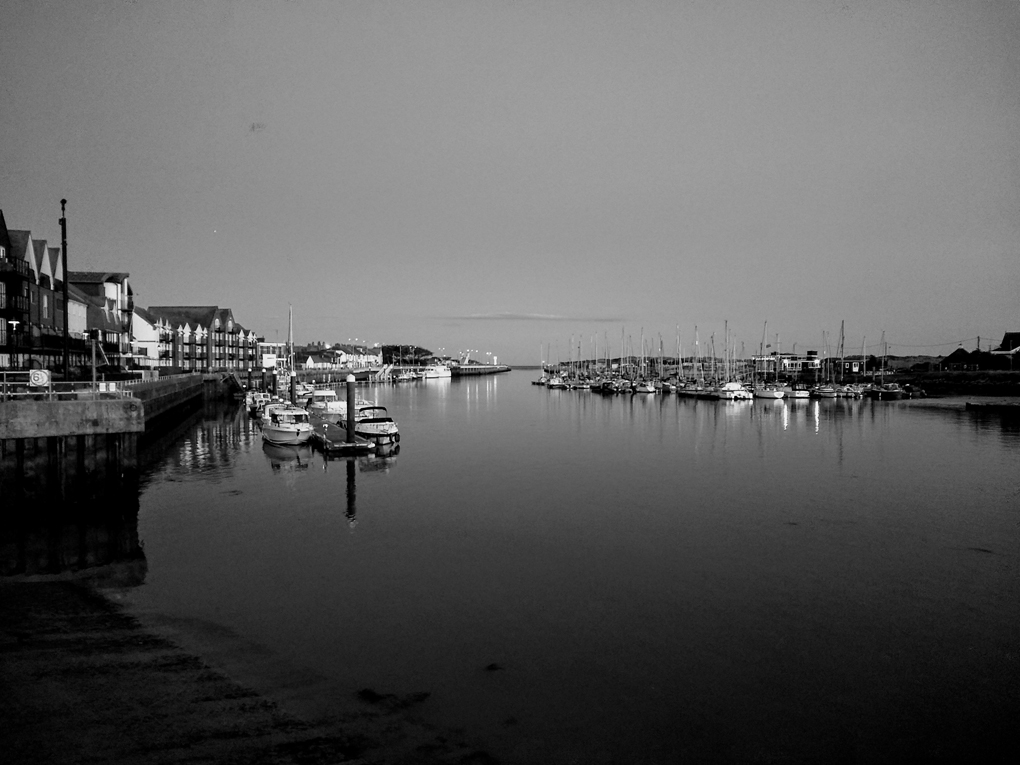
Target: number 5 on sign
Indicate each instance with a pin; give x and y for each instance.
(39, 378)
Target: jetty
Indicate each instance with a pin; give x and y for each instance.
(331, 438)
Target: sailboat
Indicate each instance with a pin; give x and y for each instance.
(766, 389)
(287, 423)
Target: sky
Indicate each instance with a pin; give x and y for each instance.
(517, 178)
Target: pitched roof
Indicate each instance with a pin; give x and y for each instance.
(97, 277)
(73, 293)
(185, 314)
(1010, 342)
(56, 262)
(5, 239)
(19, 243)
(146, 315)
(39, 250)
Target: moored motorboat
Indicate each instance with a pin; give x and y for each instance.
(734, 391)
(286, 424)
(436, 372)
(374, 422)
(768, 391)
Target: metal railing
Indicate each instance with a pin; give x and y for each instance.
(16, 386)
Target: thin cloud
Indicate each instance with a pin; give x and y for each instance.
(531, 317)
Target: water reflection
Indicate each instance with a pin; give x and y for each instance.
(287, 456)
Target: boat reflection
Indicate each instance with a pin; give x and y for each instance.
(286, 457)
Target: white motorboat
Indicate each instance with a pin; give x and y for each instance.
(436, 372)
(734, 391)
(797, 391)
(285, 424)
(374, 422)
(326, 402)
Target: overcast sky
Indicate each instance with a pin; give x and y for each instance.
(502, 176)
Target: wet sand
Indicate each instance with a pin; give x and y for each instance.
(86, 680)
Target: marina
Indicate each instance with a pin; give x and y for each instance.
(676, 577)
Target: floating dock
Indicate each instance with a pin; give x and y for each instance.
(332, 439)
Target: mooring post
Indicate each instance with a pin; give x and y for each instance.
(351, 411)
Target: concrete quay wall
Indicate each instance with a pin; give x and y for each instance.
(27, 418)
(160, 396)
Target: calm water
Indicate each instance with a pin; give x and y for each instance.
(654, 576)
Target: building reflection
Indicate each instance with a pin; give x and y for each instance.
(71, 511)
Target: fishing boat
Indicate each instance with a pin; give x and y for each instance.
(286, 424)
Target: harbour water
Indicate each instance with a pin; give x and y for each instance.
(575, 578)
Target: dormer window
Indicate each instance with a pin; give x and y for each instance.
(216, 324)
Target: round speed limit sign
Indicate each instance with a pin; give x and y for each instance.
(39, 377)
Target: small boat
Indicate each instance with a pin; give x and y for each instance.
(556, 383)
(643, 386)
(823, 391)
(285, 424)
(768, 391)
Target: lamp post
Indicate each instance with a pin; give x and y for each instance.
(63, 250)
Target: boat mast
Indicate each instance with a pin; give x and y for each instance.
(290, 353)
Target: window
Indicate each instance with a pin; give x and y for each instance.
(46, 306)
(3, 293)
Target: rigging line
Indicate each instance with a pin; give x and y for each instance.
(936, 345)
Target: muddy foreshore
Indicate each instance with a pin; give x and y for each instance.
(85, 680)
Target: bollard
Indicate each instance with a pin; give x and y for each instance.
(351, 410)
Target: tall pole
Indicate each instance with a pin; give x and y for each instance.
(63, 250)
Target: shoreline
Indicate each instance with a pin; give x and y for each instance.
(87, 675)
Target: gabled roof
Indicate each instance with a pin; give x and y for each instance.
(42, 262)
(56, 263)
(20, 241)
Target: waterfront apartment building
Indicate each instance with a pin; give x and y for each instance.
(32, 305)
(202, 338)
